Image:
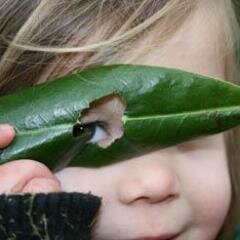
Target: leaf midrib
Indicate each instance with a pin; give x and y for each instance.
(140, 118)
(126, 119)
(42, 129)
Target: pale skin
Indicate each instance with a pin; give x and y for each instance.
(183, 190)
(24, 175)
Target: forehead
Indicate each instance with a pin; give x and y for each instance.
(196, 46)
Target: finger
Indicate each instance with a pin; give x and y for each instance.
(14, 176)
(38, 185)
(7, 134)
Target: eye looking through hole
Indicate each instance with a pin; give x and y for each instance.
(99, 134)
(97, 130)
(104, 119)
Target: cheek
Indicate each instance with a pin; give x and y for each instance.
(208, 187)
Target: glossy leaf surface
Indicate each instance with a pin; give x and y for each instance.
(164, 107)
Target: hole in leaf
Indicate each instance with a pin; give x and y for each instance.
(104, 116)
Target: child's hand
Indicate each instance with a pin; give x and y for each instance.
(23, 176)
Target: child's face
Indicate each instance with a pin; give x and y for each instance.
(183, 190)
(178, 193)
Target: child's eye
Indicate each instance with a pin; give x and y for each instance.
(99, 134)
(97, 129)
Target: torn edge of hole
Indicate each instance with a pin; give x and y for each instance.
(106, 112)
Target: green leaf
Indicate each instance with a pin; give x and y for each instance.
(164, 107)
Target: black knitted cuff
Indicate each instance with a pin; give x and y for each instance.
(48, 216)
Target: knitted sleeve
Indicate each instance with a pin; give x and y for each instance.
(51, 216)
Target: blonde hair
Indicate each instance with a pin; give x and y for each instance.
(56, 37)
(44, 39)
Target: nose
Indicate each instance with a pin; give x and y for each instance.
(150, 183)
